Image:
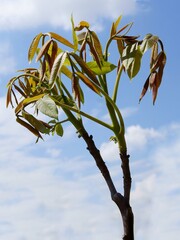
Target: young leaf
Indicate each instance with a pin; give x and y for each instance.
(88, 82)
(117, 22)
(120, 45)
(32, 99)
(158, 61)
(148, 42)
(81, 25)
(20, 91)
(9, 98)
(54, 51)
(61, 39)
(56, 68)
(29, 127)
(85, 68)
(38, 125)
(66, 72)
(145, 88)
(76, 89)
(97, 45)
(94, 54)
(47, 106)
(105, 68)
(152, 79)
(129, 25)
(33, 47)
(131, 59)
(43, 50)
(59, 129)
(113, 30)
(75, 38)
(154, 54)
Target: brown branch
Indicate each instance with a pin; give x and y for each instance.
(126, 175)
(99, 162)
(121, 201)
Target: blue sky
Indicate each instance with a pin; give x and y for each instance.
(52, 190)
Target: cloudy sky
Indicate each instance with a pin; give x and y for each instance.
(52, 190)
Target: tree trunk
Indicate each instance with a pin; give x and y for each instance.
(122, 201)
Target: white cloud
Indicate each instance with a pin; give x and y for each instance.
(129, 111)
(137, 138)
(19, 14)
(45, 195)
(126, 112)
(7, 61)
(157, 193)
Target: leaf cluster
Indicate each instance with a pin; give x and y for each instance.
(66, 68)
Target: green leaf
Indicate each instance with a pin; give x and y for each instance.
(56, 68)
(47, 106)
(106, 67)
(32, 99)
(131, 59)
(35, 122)
(117, 22)
(148, 42)
(61, 39)
(59, 129)
(27, 101)
(33, 47)
(75, 38)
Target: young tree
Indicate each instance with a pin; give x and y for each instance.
(59, 85)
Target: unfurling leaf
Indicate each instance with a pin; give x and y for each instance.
(47, 106)
(81, 25)
(105, 68)
(33, 47)
(148, 42)
(131, 59)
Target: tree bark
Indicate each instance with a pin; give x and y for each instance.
(122, 201)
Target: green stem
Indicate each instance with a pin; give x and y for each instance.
(106, 49)
(114, 97)
(67, 107)
(112, 108)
